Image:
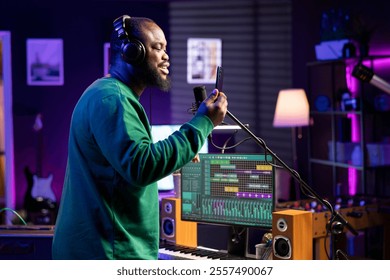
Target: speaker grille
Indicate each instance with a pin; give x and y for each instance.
(282, 247)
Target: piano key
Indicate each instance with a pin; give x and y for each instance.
(171, 251)
(176, 255)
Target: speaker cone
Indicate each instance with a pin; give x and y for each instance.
(168, 227)
(282, 247)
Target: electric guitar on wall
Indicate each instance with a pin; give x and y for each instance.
(39, 195)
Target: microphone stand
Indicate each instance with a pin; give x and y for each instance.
(336, 222)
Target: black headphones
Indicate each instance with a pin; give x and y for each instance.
(133, 51)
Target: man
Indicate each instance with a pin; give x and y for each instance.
(109, 206)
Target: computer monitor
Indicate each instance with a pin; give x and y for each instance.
(229, 189)
(161, 132)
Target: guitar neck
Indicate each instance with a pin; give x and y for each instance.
(39, 153)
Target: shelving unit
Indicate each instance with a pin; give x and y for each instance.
(349, 138)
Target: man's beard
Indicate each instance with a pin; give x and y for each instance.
(152, 77)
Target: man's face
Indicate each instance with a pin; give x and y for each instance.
(155, 67)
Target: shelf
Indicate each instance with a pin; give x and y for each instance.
(347, 60)
(336, 164)
(329, 160)
(339, 113)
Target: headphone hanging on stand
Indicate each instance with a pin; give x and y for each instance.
(133, 51)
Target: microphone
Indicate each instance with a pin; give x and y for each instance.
(365, 74)
(200, 95)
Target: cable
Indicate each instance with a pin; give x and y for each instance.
(16, 213)
(340, 252)
(264, 145)
(325, 246)
(237, 236)
(225, 147)
(226, 142)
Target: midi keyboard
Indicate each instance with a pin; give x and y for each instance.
(170, 251)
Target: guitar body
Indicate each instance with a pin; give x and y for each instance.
(39, 196)
(42, 188)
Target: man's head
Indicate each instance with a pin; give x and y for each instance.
(138, 47)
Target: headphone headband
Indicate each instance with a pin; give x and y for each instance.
(132, 50)
(120, 26)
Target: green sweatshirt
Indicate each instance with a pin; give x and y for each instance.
(109, 206)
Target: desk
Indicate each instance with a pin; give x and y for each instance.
(26, 242)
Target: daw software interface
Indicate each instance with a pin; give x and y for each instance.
(231, 189)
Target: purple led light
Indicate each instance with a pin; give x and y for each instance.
(353, 85)
(254, 195)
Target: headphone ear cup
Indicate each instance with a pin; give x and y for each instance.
(133, 51)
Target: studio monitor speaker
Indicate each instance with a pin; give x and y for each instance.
(292, 232)
(173, 229)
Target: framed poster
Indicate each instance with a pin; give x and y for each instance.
(203, 57)
(45, 65)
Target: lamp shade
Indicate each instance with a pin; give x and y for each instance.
(292, 109)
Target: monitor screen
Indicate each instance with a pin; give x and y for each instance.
(161, 132)
(231, 189)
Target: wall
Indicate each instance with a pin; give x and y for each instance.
(84, 26)
(256, 56)
(277, 40)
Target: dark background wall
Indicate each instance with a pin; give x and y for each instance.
(84, 26)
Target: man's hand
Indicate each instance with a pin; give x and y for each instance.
(196, 159)
(214, 106)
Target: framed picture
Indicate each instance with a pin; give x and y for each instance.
(203, 57)
(45, 65)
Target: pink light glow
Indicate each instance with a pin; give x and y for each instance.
(380, 65)
(352, 181)
(352, 82)
(380, 50)
(355, 127)
(353, 86)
